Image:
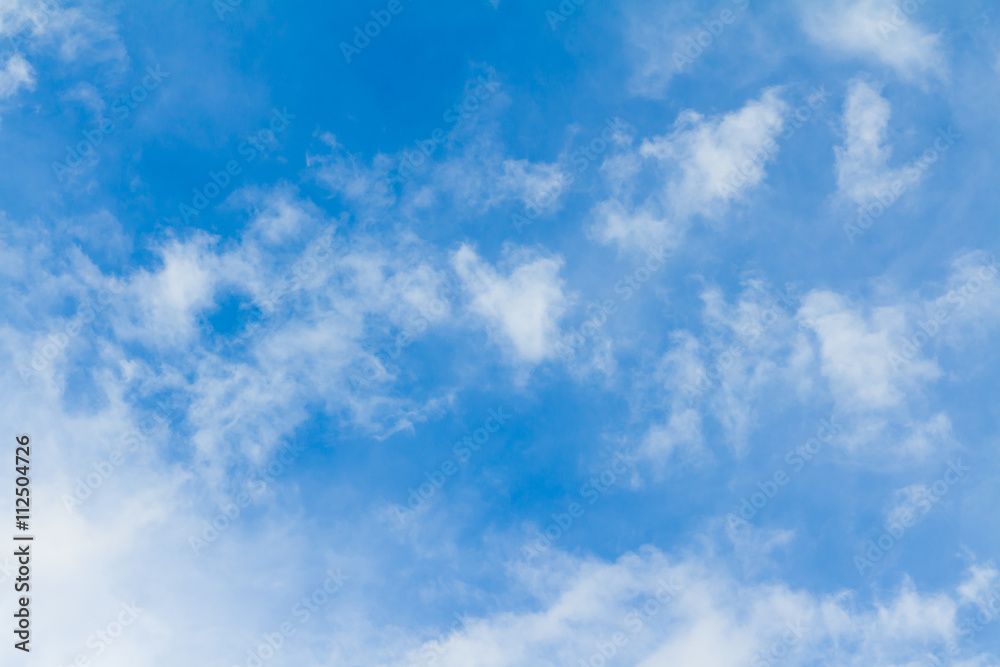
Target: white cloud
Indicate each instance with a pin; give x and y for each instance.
(855, 352)
(929, 436)
(529, 182)
(713, 161)
(460, 166)
(77, 33)
(477, 176)
(141, 516)
(968, 311)
(84, 34)
(169, 300)
(862, 163)
(881, 360)
(767, 345)
(877, 361)
(15, 73)
(656, 40)
(863, 171)
(319, 309)
(704, 165)
(667, 39)
(879, 30)
(682, 432)
(521, 309)
(16, 14)
(88, 95)
(345, 174)
(745, 351)
(649, 610)
(639, 227)
(979, 585)
(906, 503)
(322, 313)
(278, 214)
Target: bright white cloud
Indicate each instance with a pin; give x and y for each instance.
(863, 171)
(968, 311)
(15, 73)
(478, 177)
(745, 351)
(681, 432)
(855, 352)
(530, 182)
(75, 33)
(345, 174)
(639, 227)
(645, 609)
(862, 163)
(279, 214)
(880, 30)
(657, 41)
(979, 585)
(712, 161)
(704, 165)
(929, 436)
(317, 316)
(521, 309)
(169, 300)
(876, 362)
(15, 15)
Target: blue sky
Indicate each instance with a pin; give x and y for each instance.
(522, 334)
